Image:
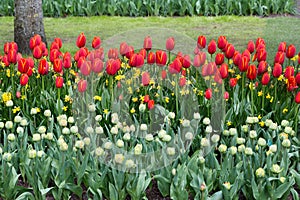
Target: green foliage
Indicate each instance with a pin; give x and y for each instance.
(134, 8)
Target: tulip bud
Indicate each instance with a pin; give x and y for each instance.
(148, 43)
(151, 58)
(251, 72)
(161, 58)
(24, 79)
(222, 42)
(290, 52)
(265, 78)
(170, 44)
(289, 71)
(279, 57)
(208, 93)
(201, 42)
(81, 40)
(219, 59)
(96, 43)
(297, 98)
(82, 85)
(212, 47)
(251, 46)
(59, 82)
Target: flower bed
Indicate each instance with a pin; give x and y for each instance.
(216, 124)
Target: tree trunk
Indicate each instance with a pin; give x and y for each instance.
(28, 22)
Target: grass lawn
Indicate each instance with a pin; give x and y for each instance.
(237, 29)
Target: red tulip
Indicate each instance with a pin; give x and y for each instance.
(6, 47)
(291, 83)
(212, 47)
(112, 66)
(148, 43)
(223, 70)
(229, 51)
(291, 51)
(289, 71)
(161, 58)
(96, 43)
(182, 81)
(282, 47)
(261, 54)
(251, 72)
(67, 62)
(13, 46)
(175, 66)
(226, 95)
(297, 98)
(97, 65)
(59, 82)
(139, 60)
(265, 79)
(183, 72)
(186, 61)
(129, 52)
(99, 53)
(146, 98)
(57, 65)
(58, 41)
(80, 61)
(163, 74)
(29, 72)
(259, 41)
(30, 62)
(218, 78)
(86, 68)
(262, 67)
(219, 59)
(222, 42)
(208, 93)
(12, 56)
(279, 57)
(247, 54)
(211, 68)
(201, 42)
(54, 53)
(251, 46)
(123, 48)
(113, 53)
(37, 52)
(236, 58)
(82, 85)
(145, 78)
(150, 104)
(298, 78)
(143, 52)
(43, 67)
(5, 60)
(233, 82)
(35, 41)
(151, 58)
(196, 50)
(81, 40)
(204, 70)
(54, 45)
(24, 79)
(170, 44)
(243, 64)
(23, 65)
(277, 70)
(196, 62)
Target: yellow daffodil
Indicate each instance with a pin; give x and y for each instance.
(8, 72)
(134, 99)
(259, 117)
(105, 111)
(281, 78)
(229, 123)
(268, 96)
(200, 93)
(285, 110)
(65, 108)
(230, 62)
(260, 93)
(132, 110)
(97, 98)
(16, 109)
(271, 100)
(262, 123)
(167, 99)
(231, 71)
(120, 77)
(6, 96)
(142, 98)
(173, 83)
(238, 77)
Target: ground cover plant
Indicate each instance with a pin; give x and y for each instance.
(217, 123)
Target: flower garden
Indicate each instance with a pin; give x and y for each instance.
(114, 123)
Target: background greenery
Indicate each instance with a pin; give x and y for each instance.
(59, 8)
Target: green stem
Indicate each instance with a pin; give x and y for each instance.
(12, 78)
(252, 99)
(275, 96)
(263, 99)
(43, 84)
(111, 89)
(176, 96)
(58, 103)
(243, 86)
(296, 119)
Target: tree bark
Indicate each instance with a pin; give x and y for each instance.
(28, 22)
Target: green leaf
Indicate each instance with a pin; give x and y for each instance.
(283, 188)
(25, 195)
(113, 194)
(216, 196)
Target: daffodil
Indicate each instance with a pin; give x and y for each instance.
(260, 93)
(285, 110)
(134, 99)
(229, 123)
(105, 111)
(97, 98)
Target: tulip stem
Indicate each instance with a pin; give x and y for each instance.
(176, 96)
(43, 84)
(252, 102)
(243, 86)
(263, 98)
(58, 99)
(275, 96)
(296, 120)
(12, 78)
(111, 79)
